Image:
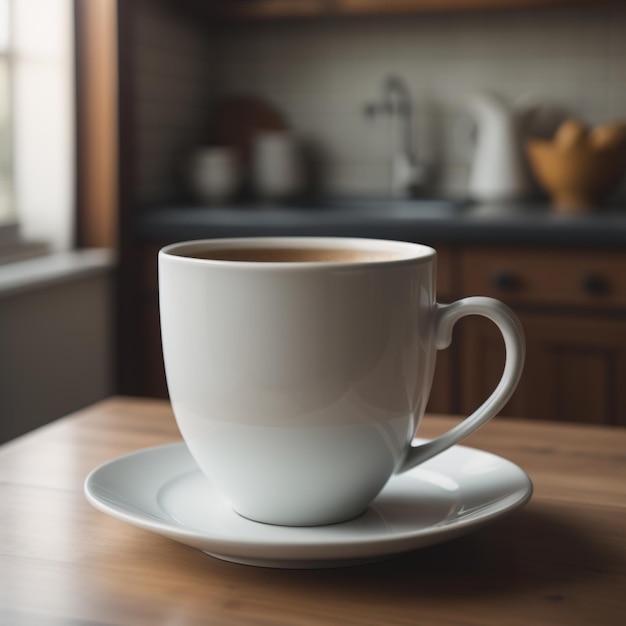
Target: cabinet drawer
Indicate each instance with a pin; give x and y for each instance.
(551, 277)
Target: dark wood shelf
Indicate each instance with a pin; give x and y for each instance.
(244, 10)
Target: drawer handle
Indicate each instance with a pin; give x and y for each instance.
(505, 280)
(594, 285)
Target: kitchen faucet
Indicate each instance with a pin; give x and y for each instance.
(405, 173)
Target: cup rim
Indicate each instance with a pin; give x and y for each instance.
(411, 253)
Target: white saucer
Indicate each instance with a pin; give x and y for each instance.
(162, 490)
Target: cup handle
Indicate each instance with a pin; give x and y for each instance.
(446, 317)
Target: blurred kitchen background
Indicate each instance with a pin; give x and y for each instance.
(490, 129)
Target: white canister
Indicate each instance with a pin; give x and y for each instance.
(277, 167)
(215, 174)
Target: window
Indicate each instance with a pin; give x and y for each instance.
(7, 208)
(37, 124)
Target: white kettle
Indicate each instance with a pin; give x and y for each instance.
(499, 170)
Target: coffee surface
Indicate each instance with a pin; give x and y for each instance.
(297, 255)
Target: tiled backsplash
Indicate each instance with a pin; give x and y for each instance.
(321, 73)
(172, 91)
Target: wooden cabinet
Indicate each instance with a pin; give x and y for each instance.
(575, 368)
(546, 277)
(572, 304)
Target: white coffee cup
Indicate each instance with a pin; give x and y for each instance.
(299, 368)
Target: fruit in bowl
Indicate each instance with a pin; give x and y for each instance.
(579, 167)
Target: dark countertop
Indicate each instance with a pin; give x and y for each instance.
(411, 220)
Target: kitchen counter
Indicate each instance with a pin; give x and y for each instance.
(412, 220)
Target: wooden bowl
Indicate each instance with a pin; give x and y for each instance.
(578, 176)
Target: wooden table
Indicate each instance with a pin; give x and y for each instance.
(560, 560)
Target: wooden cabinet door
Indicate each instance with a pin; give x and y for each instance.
(575, 368)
